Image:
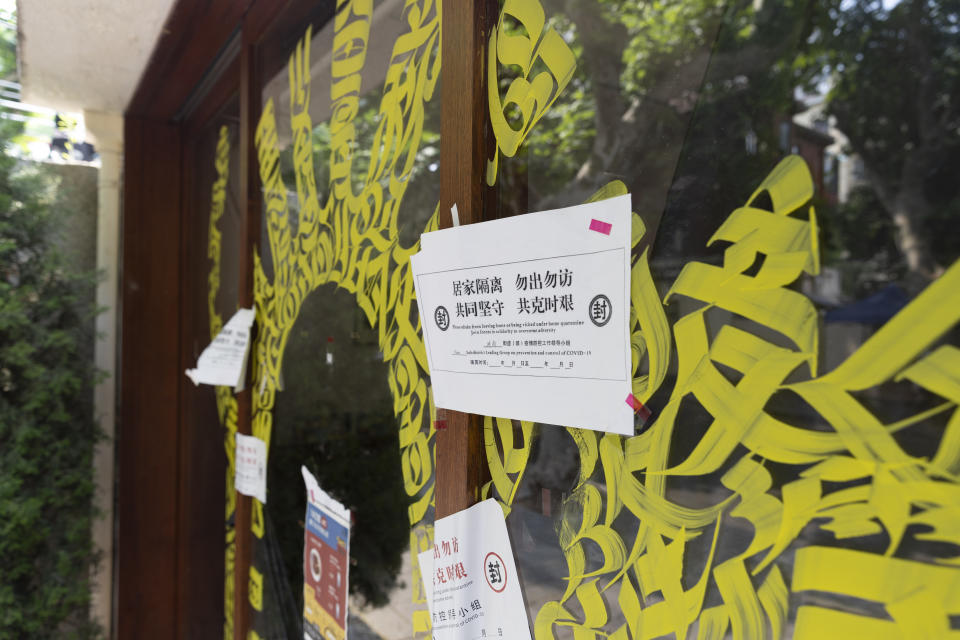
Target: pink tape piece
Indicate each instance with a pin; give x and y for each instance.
(638, 407)
(600, 226)
(439, 425)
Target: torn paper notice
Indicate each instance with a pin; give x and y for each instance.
(250, 478)
(224, 361)
(425, 558)
(528, 317)
(472, 584)
(326, 561)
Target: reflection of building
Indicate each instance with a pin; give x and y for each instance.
(840, 171)
(813, 142)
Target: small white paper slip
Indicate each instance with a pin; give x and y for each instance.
(250, 478)
(529, 317)
(471, 579)
(425, 558)
(224, 361)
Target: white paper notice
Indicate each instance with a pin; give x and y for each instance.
(250, 478)
(224, 361)
(528, 317)
(474, 591)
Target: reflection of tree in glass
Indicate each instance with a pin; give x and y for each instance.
(419, 202)
(684, 103)
(856, 235)
(654, 80)
(335, 415)
(896, 78)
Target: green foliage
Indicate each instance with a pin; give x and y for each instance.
(8, 47)
(748, 86)
(47, 431)
(895, 85)
(861, 242)
(896, 82)
(666, 96)
(663, 97)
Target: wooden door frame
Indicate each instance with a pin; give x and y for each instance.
(153, 452)
(466, 141)
(157, 457)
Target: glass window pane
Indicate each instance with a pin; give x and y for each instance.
(349, 159)
(790, 165)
